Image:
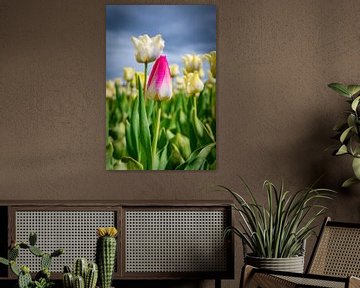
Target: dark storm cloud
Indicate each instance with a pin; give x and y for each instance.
(185, 29)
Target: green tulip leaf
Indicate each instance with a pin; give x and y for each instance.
(349, 182)
(355, 103)
(342, 150)
(131, 163)
(135, 129)
(145, 138)
(345, 134)
(109, 157)
(183, 143)
(162, 157)
(197, 159)
(340, 88)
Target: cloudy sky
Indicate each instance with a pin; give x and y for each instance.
(185, 29)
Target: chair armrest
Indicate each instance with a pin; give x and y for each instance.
(354, 282)
(255, 277)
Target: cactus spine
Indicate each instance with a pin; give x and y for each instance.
(106, 254)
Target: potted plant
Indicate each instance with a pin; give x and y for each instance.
(348, 132)
(275, 233)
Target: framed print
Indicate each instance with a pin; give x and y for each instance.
(160, 87)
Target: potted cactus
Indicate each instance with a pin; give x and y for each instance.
(42, 278)
(84, 275)
(106, 254)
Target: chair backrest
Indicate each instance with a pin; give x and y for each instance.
(337, 251)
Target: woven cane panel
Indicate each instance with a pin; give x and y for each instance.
(74, 231)
(175, 241)
(338, 253)
(306, 282)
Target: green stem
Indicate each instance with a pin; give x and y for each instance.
(107, 120)
(156, 133)
(145, 78)
(195, 104)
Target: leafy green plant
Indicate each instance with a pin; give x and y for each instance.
(42, 278)
(279, 229)
(348, 132)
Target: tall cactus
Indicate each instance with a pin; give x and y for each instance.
(106, 254)
(79, 282)
(81, 265)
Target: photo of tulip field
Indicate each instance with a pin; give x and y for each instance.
(160, 87)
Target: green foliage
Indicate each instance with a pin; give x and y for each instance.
(145, 134)
(42, 278)
(348, 132)
(279, 229)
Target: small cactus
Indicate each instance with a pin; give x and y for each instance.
(84, 274)
(91, 276)
(24, 278)
(80, 268)
(106, 254)
(79, 282)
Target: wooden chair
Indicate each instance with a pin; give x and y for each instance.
(335, 262)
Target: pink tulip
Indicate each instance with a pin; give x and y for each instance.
(159, 86)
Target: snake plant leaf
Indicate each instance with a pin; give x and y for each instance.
(345, 134)
(349, 182)
(353, 89)
(355, 103)
(342, 150)
(341, 89)
(131, 163)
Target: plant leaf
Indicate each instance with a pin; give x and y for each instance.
(355, 103)
(349, 182)
(131, 163)
(340, 88)
(197, 158)
(345, 134)
(342, 150)
(144, 132)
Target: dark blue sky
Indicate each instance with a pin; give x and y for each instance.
(185, 29)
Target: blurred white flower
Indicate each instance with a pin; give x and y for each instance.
(174, 70)
(194, 85)
(147, 49)
(110, 90)
(180, 84)
(211, 57)
(192, 63)
(211, 81)
(129, 74)
(118, 81)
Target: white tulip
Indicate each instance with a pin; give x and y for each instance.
(147, 49)
(192, 63)
(174, 70)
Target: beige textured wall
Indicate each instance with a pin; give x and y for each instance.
(275, 113)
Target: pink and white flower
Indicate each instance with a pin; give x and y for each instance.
(159, 86)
